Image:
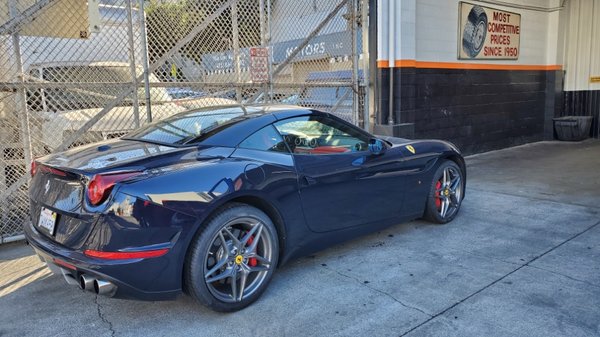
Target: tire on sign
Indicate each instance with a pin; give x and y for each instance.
(475, 31)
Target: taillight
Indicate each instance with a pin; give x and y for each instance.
(33, 169)
(126, 255)
(101, 184)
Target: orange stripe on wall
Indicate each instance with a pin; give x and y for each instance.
(461, 65)
(383, 64)
(405, 63)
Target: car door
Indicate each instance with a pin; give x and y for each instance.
(342, 184)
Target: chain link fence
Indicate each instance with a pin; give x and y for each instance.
(74, 72)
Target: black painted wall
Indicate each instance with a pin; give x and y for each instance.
(478, 110)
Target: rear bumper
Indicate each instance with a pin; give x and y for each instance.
(140, 279)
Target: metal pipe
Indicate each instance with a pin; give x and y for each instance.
(21, 97)
(270, 64)
(145, 64)
(261, 9)
(391, 93)
(366, 78)
(13, 238)
(75, 87)
(235, 44)
(355, 115)
(132, 66)
(86, 282)
(391, 57)
(105, 288)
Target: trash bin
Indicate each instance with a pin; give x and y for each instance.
(572, 128)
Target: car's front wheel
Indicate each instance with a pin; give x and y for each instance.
(232, 259)
(445, 193)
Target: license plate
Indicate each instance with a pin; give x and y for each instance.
(47, 220)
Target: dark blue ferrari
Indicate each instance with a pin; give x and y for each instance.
(211, 201)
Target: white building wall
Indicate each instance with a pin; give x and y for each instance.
(408, 39)
(582, 44)
(434, 27)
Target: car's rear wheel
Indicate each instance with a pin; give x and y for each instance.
(446, 193)
(232, 260)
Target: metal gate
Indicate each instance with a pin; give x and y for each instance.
(74, 72)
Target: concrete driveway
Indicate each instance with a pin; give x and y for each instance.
(521, 259)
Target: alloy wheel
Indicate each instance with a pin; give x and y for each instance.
(238, 260)
(448, 192)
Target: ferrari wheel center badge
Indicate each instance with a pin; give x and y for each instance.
(239, 259)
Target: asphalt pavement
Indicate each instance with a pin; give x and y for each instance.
(521, 259)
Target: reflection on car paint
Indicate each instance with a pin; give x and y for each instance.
(222, 187)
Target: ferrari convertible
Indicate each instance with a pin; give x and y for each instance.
(209, 202)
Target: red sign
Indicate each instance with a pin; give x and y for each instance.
(259, 64)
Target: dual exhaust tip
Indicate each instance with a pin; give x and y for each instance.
(100, 287)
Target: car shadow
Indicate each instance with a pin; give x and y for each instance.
(37, 297)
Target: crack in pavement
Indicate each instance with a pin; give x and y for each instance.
(530, 266)
(529, 197)
(526, 264)
(379, 291)
(564, 275)
(104, 319)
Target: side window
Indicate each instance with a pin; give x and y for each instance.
(265, 139)
(320, 135)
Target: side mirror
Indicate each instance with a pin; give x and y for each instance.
(377, 146)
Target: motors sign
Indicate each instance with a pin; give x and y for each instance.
(488, 33)
(333, 45)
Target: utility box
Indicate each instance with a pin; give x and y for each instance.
(572, 128)
(403, 130)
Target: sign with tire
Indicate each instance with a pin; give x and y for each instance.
(488, 33)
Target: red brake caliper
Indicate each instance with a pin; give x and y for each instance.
(438, 201)
(251, 261)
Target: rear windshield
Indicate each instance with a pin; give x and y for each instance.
(190, 127)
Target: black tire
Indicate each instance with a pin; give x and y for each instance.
(215, 244)
(439, 193)
(475, 31)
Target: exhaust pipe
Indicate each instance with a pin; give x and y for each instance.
(86, 282)
(105, 288)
